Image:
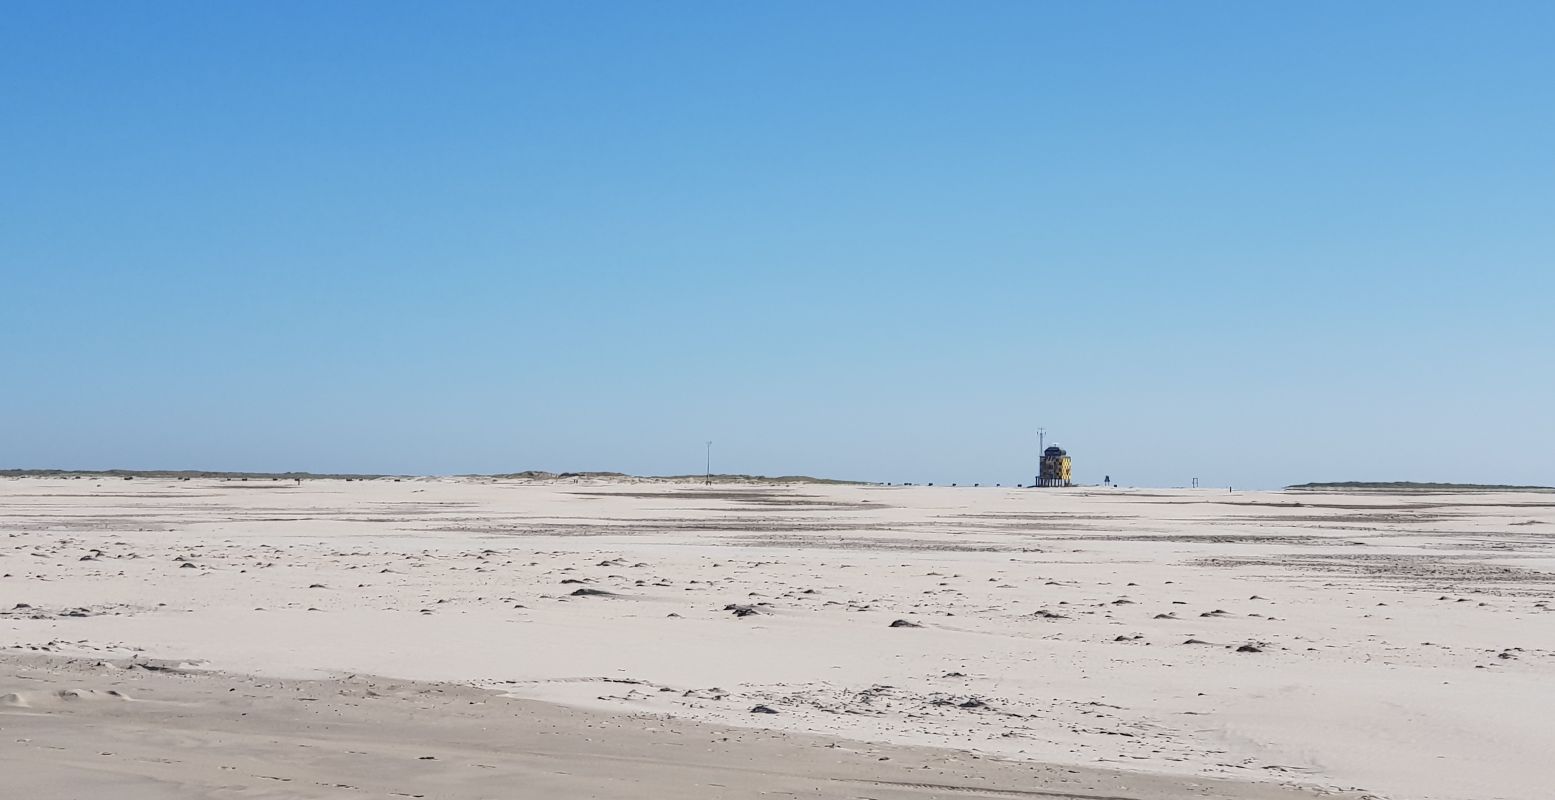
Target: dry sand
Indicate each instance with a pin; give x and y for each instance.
(611, 639)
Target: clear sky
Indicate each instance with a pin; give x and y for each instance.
(1254, 243)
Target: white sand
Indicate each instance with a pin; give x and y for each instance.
(1406, 644)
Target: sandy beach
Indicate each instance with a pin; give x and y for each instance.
(620, 638)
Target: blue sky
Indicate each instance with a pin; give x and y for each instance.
(1251, 243)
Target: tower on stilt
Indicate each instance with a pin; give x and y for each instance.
(1055, 469)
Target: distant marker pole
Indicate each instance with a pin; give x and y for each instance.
(1041, 454)
(709, 478)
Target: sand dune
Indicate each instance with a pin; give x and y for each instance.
(208, 734)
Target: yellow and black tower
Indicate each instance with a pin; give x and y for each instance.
(1055, 470)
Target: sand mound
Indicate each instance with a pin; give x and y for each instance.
(38, 699)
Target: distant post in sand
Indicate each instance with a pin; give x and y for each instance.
(708, 480)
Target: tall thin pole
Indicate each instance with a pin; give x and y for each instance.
(709, 463)
(1041, 447)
